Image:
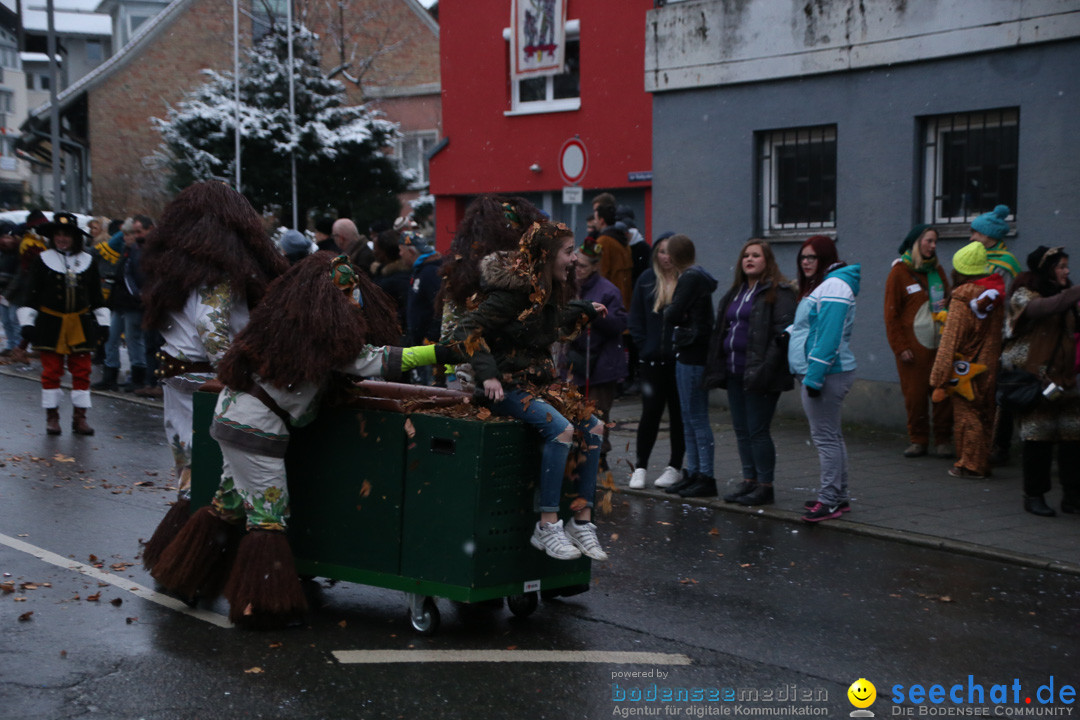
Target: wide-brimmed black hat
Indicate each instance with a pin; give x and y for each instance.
(62, 220)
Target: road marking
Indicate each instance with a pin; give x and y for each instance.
(123, 583)
(371, 657)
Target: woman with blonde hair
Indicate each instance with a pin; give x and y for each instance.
(688, 322)
(652, 293)
(748, 357)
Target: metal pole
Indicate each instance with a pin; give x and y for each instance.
(236, 83)
(54, 110)
(292, 115)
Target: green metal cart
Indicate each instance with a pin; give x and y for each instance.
(435, 506)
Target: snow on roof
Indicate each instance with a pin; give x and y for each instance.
(68, 23)
(32, 57)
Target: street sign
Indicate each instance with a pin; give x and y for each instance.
(573, 161)
(573, 195)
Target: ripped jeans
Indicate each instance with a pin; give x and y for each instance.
(551, 424)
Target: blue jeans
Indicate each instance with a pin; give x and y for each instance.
(694, 401)
(11, 326)
(129, 324)
(550, 424)
(751, 415)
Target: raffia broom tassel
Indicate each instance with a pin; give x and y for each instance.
(263, 589)
(166, 532)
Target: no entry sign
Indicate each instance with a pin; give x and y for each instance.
(573, 160)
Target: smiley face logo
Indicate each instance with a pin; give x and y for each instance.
(862, 693)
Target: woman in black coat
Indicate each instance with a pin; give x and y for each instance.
(748, 357)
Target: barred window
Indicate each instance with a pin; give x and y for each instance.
(970, 164)
(798, 179)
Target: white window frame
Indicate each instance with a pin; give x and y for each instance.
(550, 105)
(416, 137)
(935, 128)
(769, 141)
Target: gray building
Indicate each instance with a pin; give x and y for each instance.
(859, 119)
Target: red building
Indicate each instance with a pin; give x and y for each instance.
(506, 137)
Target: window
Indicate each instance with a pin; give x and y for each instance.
(95, 53)
(411, 153)
(970, 164)
(265, 15)
(798, 179)
(37, 81)
(7, 101)
(551, 93)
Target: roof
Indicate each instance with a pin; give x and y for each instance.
(146, 32)
(68, 23)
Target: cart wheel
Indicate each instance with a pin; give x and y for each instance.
(426, 622)
(523, 605)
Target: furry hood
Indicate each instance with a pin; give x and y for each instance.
(505, 270)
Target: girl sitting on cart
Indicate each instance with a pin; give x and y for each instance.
(523, 308)
(320, 318)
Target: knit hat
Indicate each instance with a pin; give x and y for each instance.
(992, 224)
(971, 260)
(325, 225)
(1041, 260)
(909, 241)
(591, 249)
(295, 245)
(411, 238)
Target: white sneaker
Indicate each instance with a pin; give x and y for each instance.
(552, 539)
(637, 479)
(669, 477)
(583, 536)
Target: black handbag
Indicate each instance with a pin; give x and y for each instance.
(1018, 390)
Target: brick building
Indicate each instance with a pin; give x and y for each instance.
(386, 50)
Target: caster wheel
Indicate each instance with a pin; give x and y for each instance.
(427, 621)
(523, 605)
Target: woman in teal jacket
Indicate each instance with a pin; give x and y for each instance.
(820, 356)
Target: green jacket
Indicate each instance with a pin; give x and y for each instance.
(505, 337)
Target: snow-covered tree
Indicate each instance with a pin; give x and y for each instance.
(340, 158)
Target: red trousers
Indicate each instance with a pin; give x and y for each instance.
(52, 369)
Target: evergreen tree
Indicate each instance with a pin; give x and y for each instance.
(340, 161)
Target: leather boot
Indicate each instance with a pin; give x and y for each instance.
(108, 379)
(52, 421)
(78, 422)
(703, 486)
(760, 495)
(1036, 505)
(137, 380)
(744, 488)
(686, 481)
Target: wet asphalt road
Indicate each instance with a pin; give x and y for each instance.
(753, 605)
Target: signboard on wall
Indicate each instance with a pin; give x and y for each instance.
(537, 37)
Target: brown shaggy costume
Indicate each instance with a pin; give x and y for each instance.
(304, 328)
(491, 224)
(208, 235)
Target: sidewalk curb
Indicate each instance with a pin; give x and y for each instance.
(932, 542)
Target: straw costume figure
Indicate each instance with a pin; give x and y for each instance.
(491, 224)
(207, 263)
(320, 319)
